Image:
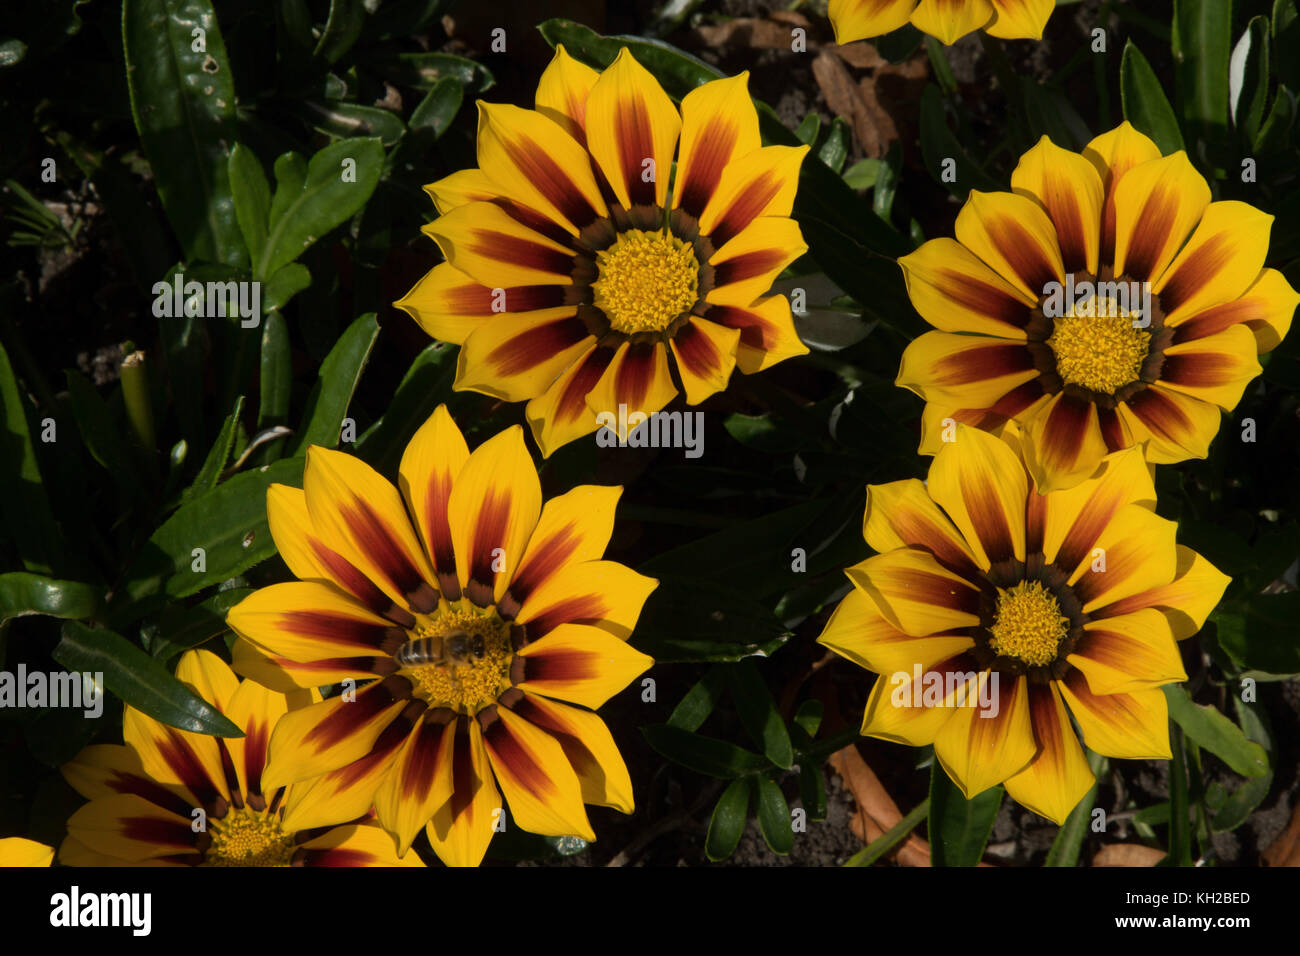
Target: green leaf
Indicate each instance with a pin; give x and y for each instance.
(28, 521)
(727, 823)
(323, 201)
(1180, 837)
(191, 627)
(439, 107)
(835, 150)
(290, 176)
(686, 620)
(339, 118)
(939, 145)
(139, 680)
(1214, 732)
(890, 838)
(1261, 634)
(706, 755)
(774, 817)
(900, 44)
(1145, 103)
(102, 438)
(425, 386)
(346, 19)
(277, 372)
(252, 197)
(758, 714)
(287, 282)
(425, 71)
(694, 708)
(228, 523)
(808, 717)
(183, 102)
(210, 473)
(339, 374)
(1202, 32)
(1248, 78)
(863, 174)
(23, 593)
(959, 828)
(812, 789)
(1275, 135)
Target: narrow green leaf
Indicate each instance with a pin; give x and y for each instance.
(1248, 78)
(339, 374)
(425, 386)
(339, 180)
(774, 817)
(439, 107)
(28, 521)
(812, 789)
(346, 19)
(287, 282)
(706, 755)
(23, 593)
(959, 828)
(252, 197)
(882, 844)
(339, 118)
(102, 438)
(277, 374)
(809, 716)
(290, 176)
(210, 473)
(1214, 732)
(183, 102)
(1202, 32)
(942, 151)
(190, 627)
(1275, 135)
(1145, 103)
(727, 824)
(835, 150)
(758, 714)
(1180, 835)
(139, 680)
(694, 708)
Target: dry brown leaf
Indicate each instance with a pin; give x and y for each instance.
(861, 55)
(877, 811)
(751, 32)
(1127, 854)
(1285, 850)
(845, 99)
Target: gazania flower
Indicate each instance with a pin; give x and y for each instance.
(1104, 303)
(170, 797)
(578, 263)
(946, 20)
(485, 623)
(19, 851)
(993, 612)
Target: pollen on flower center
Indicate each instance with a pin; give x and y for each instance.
(645, 281)
(247, 837)
(465, 661)
(1101, 352)
(1029, 625)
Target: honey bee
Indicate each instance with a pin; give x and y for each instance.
(454, 648)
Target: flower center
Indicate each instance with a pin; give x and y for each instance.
(1028, 624)
(645, 281)
(247, 837)
(459, 659)
(1101, 352)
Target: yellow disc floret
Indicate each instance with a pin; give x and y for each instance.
(247, 837)
(1101, 352)
(645, 281)
(467, 682)
(1029, 625)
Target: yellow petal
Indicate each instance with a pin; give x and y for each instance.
(562, 92)
(630, 120)
(17, 851)
(911, 709)
(1020, 19)
(462, 828)
(450, 306)
(419, 783)
(950, 20)
(719, 124)
(979, 481)
(538, 782)
(255, 710)
(1064, 443)
(1156, 206)
(902, 514)
(1134, 553)
(759, 184)
(1014, 236)
(483, 241)
(1186, 601)
(965, 371)
(706, 356)
(1220, 261)
(560, 414)
(1069, 188)
(1128, 653)
(1265, 308)
(580, 664)
(131, 828)
(767, 332)
(309, 621)
(492, 510)
(1075, 518)
(636, 377)
(858, 632)
(589, 747)
(360, 844)
(1215, 369)
(346, 794)
(1133, 725)
(1113, 154)
(862, 19)
(981, 748)
(573, 527)
(1059, 777)
(434, 457)
(915, 593)
(955, 292)
(746, 266)
(517, 358)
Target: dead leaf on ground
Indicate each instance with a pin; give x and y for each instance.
(1285, 850)
(1127, 854)
(877, 811)
(845, 98)
(860, 55)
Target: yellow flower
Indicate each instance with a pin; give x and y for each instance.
(947, 20)
(1074, 599)
(170, 797)
(480, 621)
(572, 274)
(1104, 303)
(17, 851)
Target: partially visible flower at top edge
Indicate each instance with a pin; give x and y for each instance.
(478, 632)
(170, 797)
(573, 276)
(945, 20)
(1105, 302)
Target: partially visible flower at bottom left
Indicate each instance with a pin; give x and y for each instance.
(145, 795)
(19, 851)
